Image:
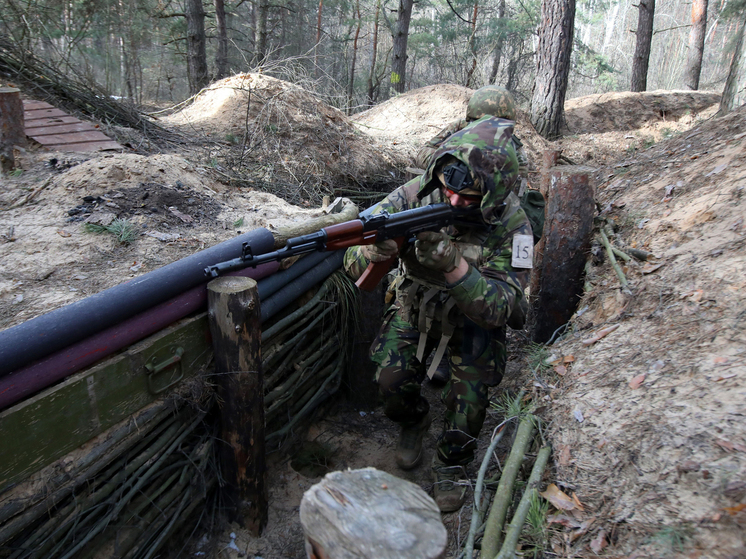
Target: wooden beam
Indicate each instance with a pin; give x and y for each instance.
(234, 316)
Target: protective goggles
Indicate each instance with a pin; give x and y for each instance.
(458, 179)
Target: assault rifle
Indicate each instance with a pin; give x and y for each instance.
(367, 230)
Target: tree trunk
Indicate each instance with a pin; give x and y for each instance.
(196, 55)
(351, 84)
(472, 45)
(399, 56)
(641, 58)
(260, 41)
(221, 54)
(318, 39)
(696, 43)
(731, 82)
(374, 54)
(499, 44)
(553, 66)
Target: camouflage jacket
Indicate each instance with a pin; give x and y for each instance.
(492, 289)
(422, 159)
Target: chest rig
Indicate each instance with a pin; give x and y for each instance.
(423, 297)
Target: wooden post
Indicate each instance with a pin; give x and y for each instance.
(370, 514)
(12, 132)
(234, 315)
(550, 157)
(549, 160)
(557, 283)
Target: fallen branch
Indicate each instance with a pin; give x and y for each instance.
(600, 334)
(31, 195)
(640, 255)
(476, 515)
(623, 255)
(504, 493)
(519, 518)
(614, 263)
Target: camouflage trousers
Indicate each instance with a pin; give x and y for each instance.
(476, 361)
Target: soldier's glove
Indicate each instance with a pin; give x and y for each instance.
(436, 251)
(380, 252)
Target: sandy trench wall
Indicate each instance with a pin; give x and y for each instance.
(648, 425)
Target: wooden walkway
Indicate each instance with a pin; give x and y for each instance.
(56, 130)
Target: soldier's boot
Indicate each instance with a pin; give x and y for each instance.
(409, 449)
(451, 482)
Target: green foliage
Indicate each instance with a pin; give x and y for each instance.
(534, 534)
(231, 138)
(648, 142)
(16, 173)
(124, 230)
(238, 223)
(734, 9)
(509, 406)
(671, 538)
(536, 356)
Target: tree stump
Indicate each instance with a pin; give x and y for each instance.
(12, 132)
(234, 316)
(557, 284)
(369, 514)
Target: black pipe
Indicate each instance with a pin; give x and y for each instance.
(269, 285)
(51, 332)
(289, 293)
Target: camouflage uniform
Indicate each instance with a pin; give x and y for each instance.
(490, 100)
(468, 317)
(425, 153)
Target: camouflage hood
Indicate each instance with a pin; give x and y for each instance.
(485, 147)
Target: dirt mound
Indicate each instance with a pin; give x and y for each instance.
(173, 206)
(413, 118)
(265, 131)
(648, 423)
(626, 110)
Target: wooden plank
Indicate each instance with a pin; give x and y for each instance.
(58, 121)
(41, 429)
(33, 105)
(35, 131)
(42, 113)
(73, 138)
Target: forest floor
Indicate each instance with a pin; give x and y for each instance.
(646, 424)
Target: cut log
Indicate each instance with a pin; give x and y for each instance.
(558, 283)
(369, 514)
(234, 316)
(339, 211)
(11, 126)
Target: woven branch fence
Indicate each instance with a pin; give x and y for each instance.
(128, 492)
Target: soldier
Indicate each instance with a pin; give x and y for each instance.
(490, 100)
(456, 289)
